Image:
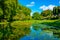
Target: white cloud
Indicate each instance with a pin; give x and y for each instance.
(31, 4)
(50, 7)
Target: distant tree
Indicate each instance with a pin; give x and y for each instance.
(56, 11)
(46, 13)
(36, 16)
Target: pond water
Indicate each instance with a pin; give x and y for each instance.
(40, 32)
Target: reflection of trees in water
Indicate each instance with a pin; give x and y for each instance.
(13, 33)
(56, 33)
(55, 30)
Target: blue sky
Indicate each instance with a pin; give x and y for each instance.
(39, 5)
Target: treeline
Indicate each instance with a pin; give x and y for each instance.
(48, 14)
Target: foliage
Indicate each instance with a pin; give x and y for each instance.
(25, 10)
(22, 13)
(46, 13)
(54, 14)
(9, 8)
(56, 10)
(36, 16)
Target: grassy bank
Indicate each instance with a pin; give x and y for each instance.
(47, 22)
(36, 21)
(53, 23)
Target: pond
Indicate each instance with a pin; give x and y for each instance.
(42, 32)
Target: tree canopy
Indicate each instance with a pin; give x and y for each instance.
(56, 10)
(36, 16)
(46, 13)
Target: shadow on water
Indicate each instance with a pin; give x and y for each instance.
(41, 32)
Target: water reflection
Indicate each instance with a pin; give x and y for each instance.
(39, 34)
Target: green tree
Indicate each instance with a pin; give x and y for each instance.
(19, 16)
(46, 13)
(36, 16)
(8, 8)
(56, 10)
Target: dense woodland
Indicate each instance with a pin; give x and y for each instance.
(11, 11)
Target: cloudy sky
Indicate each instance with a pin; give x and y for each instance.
(39, 5)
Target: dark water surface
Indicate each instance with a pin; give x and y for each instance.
(41, 32)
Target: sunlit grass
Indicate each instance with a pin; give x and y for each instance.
(36, 21)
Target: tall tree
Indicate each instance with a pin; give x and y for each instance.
(56, 10)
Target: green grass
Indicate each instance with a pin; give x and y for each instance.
(30, 22)
(53, 23)
(36, 21)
